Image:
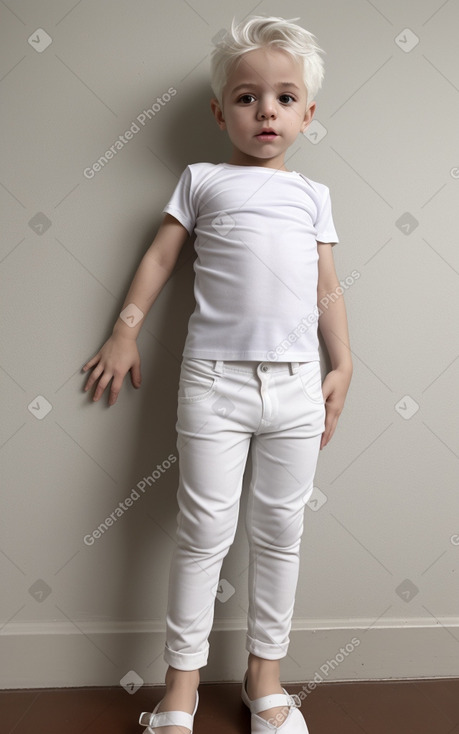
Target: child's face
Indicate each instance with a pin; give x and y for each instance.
(264, 90)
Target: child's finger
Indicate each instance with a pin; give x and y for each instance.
(136, 377)
(91, 362)
(115, 390)
(327, 388)
(95, 374)
(103, 382)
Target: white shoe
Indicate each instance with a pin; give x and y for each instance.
(293, 724)
(167, 718)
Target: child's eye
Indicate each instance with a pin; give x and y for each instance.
(246, 98)
(284, 98)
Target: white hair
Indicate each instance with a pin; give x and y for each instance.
(260, 32)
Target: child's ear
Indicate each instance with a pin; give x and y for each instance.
(309, 114)
(218, 114)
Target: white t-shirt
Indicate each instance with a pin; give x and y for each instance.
(256, 269)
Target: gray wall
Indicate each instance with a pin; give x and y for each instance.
(381, 543)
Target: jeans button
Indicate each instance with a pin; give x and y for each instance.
(264, 368)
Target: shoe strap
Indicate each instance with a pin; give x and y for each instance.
(167, 718)
(275, 699)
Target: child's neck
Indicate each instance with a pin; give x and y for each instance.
(240, 159)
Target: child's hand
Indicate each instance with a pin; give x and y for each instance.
(334, 389)
(116, 357)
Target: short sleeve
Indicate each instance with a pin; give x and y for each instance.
(325, 228)
(181, 204)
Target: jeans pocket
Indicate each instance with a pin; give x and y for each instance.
(311, 381)
(197, 381)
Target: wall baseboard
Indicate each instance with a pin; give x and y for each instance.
(64, 654)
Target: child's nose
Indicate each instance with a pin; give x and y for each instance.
(266, 108)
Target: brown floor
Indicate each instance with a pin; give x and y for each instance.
(402, 707)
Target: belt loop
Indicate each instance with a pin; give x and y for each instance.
(218, 366)
(294, 367)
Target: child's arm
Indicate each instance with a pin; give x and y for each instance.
(333, 327)
(119, 354)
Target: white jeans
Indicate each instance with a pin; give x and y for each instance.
(224, 408)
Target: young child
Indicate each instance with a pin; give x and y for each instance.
(250, 376)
